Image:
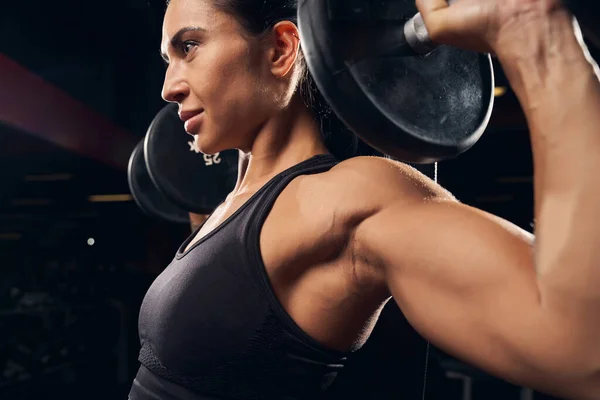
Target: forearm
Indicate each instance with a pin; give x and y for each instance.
(560, 95)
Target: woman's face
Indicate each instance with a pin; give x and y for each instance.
(215, 74)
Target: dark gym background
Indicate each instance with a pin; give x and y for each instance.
(76, 253)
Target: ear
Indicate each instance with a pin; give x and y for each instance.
(284, 51)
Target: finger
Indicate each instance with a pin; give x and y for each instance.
(440, 18)
(429, 6)
(435, 15)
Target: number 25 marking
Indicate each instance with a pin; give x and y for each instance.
(212, 160)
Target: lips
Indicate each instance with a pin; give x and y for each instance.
(191, 120)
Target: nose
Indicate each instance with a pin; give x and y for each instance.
(175, 89)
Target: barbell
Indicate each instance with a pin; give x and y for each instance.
(401, 93)
(375, 64)
(145, 193)
(168, 179)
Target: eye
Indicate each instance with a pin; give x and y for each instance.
(187, 46)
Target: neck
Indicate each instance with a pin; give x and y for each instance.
(285, 140)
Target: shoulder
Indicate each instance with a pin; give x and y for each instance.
(379, 181)
(357, 189)
(393, 184)
(354, 190)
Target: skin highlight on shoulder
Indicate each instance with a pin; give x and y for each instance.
(386, 180)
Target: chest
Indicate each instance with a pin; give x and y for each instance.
(298, 230)
(306, 255)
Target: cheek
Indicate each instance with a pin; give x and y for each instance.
(232, 92)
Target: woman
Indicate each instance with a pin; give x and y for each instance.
(287, 277)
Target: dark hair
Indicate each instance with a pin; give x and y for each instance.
(257, 17)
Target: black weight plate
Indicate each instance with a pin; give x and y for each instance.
(418, 109)
(193, 181)
(146, 195)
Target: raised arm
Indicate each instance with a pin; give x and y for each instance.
(477, 286)
(466, 280)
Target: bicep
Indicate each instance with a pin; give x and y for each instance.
(466, 281)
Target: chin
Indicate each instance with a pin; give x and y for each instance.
(205, 145)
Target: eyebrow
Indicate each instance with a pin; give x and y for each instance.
(177, 38)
